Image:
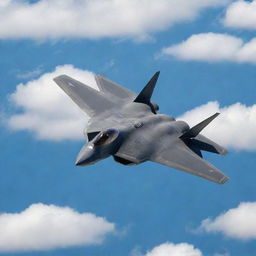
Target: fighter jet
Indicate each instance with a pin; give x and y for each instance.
(128, 127)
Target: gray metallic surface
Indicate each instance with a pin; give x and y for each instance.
(127, 126)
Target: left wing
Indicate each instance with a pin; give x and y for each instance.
(88, 99)
(179, 156)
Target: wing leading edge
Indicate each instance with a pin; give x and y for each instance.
(177, 155)
(88, 99)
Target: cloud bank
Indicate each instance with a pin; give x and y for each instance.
(239, 223)
(167, 249)
(241, 14)
(43, 227)
(235, 121)
(212, 47)
(46, 110)
(95, 19)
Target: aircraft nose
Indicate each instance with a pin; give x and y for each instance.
(85, 155)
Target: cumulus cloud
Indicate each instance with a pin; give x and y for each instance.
(213, 47)
(239, 223)
(235, 121)
(167, 249)
(46, 110)
(4, 3)
(95, 19)
(44, 227)
(241, 14)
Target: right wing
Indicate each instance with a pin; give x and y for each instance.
(118, 91)
(177, 155)
(88, 99)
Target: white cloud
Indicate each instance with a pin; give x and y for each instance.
(212, 47)
(239, 223)
(167, 249)
(47, 110)
(43, 227)
(235, 121)
(95, 19)
(4, 3)
(241, 14)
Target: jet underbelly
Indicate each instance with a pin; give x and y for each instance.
(144, 137)
(134, 149)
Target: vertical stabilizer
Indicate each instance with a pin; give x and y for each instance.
(145, 95)
(194, 131)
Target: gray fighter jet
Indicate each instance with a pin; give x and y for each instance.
(127, 126)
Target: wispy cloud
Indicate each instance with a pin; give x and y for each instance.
(135, 19)
(239, 223)
(212, 47)
(241, 15)
(30, 74)
(222, 254)
(108, 65)
(44, 227)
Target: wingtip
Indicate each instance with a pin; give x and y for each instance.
(224, 152)
(156, 75)
(97, 75)
(223, 180)
(57, 78)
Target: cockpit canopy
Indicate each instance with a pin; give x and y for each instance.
(106, 137)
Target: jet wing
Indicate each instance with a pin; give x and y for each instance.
(88, 99)
(118, 91)
(177, 155)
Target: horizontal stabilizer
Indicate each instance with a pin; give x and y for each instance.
(194, 131)
(205, 144)
(88, 99)
(145, 95)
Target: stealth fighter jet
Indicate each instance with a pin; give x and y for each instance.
(128, 127)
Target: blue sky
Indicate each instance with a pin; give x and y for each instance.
(207, 59)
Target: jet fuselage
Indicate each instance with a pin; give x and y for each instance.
(129, 124)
